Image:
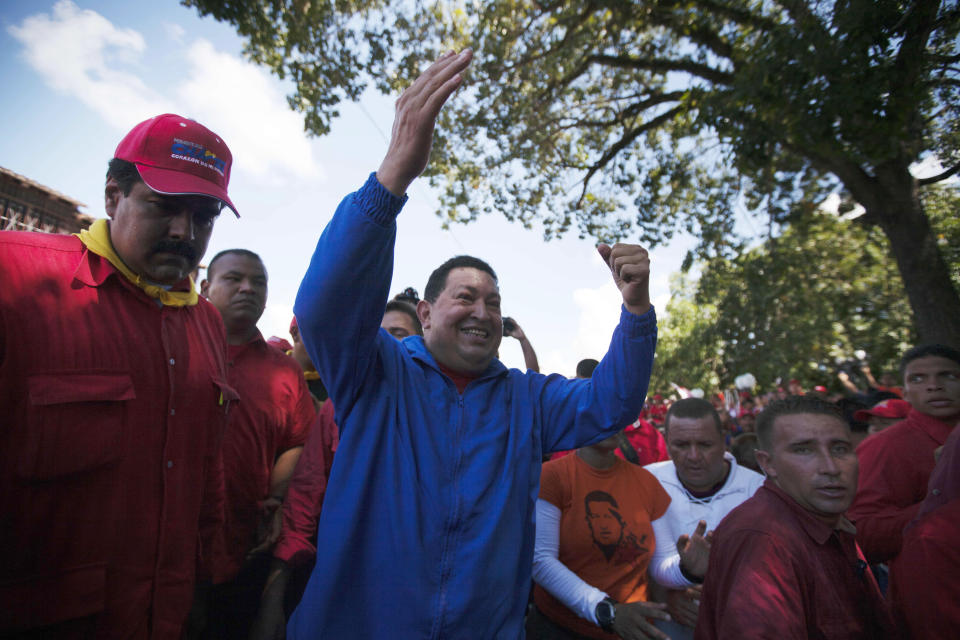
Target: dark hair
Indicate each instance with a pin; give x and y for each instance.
(405, 307)
(602, 496)
(742, 446)
(585, 367)
(692, 408)
(408, 295)
(925, 350)
(240, 252)
(124, 173)
(438, 279)
(793, 405)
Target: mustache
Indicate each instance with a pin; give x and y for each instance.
(184, 249)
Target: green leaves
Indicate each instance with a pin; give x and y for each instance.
(632, 120)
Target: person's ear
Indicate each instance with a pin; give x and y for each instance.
(205, 288)
(423, 313)
(111, 197)
(763, 459)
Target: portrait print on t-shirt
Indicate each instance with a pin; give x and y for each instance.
(609, 531)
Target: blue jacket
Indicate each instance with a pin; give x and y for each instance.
(427, 525)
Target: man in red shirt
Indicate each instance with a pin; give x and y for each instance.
(263, 441)
(114, 399)
(925, 577)
(897, 462)
(784, 564)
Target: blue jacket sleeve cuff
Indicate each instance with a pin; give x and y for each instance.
(377, 203)
(635, 325)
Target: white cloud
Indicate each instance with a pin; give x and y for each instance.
(78, 53)
(250, 112)
(175, 32)
(82, 54)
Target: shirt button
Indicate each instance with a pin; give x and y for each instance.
(173, 412)
(169, 464)
(172, 362)
(935, 492)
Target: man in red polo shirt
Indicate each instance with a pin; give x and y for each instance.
(785, 564)
(114, 399)
(896, 463)
(263, 441)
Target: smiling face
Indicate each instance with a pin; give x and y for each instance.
(696, 448)
(931, 384)
(160, 238)
(812, 459)
(463, 327)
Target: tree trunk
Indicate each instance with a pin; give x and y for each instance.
(926, 279)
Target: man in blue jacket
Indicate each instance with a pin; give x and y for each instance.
(428, 523)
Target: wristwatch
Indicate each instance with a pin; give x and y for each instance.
(606, 613)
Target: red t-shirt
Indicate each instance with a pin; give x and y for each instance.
(895, 466)
(306, 490)
(111, 476)
(605, 533)
(274, 414)
(647, 441)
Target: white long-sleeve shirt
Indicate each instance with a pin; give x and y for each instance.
(686, 511)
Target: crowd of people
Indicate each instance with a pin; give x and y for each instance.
(169, 473)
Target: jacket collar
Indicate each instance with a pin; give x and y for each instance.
(417, 348)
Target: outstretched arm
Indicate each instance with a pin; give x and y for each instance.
(582, 412)
(341, 300)
(630, 266)
(416, 118)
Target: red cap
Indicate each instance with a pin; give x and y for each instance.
(820, 388)
(178, 156)
(280, 343)
(892, 408)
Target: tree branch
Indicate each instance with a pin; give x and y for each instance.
(922, 182)
(630, 111)
(623, 143)
(658, 64)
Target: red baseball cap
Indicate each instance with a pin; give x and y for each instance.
(179, 156)
(892, 408)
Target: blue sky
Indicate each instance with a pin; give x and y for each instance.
(79, 74)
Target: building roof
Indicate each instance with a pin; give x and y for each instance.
(53, 193)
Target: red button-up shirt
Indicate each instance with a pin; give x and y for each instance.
(925, 577)
(778, 572)
(274, 414)
(113, 408)
(895, 466)
(306, 490)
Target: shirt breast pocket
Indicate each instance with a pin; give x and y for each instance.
(74, 422)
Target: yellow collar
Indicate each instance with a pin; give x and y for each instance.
(97, 240)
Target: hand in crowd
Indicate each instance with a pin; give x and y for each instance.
(683, 605)
(630, 621)
(416, 117)
(695, 550)
(630, 266)
(268, 531)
